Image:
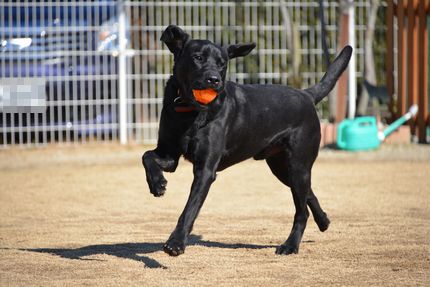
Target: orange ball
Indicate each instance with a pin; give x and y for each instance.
(204, 96)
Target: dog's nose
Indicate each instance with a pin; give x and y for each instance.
(214, 80)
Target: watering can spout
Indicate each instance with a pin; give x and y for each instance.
(413, 110)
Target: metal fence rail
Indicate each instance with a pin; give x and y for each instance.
(90, 62)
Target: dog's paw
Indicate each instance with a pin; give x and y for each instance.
(286, 249)
(174, 247)
(323, 222)
(157, 186)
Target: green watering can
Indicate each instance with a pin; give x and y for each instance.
(362, 133)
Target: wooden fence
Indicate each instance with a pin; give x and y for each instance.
(412, 61)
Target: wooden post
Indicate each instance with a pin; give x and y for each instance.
(412, 58)
(401, 60)
(390, 54)
(423, 71)
(343, 80)
(413, 61)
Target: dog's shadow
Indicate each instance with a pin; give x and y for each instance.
(136, 251)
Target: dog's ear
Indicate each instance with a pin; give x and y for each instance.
(174, 38)
(240, 50)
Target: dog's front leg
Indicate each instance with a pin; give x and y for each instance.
(155, 162)
(204, 175)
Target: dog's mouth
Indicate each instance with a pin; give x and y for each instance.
(201, 86)
(205, 96)
(204, 85)
(197, 97)
(204, 93)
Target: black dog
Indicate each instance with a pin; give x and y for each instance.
(271, 122)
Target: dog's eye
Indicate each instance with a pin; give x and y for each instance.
(198, 58)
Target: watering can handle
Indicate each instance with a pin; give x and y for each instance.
(361, 120)
(340, 142)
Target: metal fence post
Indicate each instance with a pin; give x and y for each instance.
(352, 81)
(122, 74)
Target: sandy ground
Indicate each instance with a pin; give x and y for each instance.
(84, 216)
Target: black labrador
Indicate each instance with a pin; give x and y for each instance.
(272, 122)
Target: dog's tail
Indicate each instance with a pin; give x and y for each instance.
(320, 90)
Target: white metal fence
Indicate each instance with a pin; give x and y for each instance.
(85, 65)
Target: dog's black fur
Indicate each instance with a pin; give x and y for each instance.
(272, 122)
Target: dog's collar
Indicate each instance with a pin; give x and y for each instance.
(180, 106)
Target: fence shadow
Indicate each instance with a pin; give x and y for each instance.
(136, 251)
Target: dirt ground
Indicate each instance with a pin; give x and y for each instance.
(84, 216)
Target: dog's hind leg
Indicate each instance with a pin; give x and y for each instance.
(319, 215)
(279, 166)
(293, 167)
(298, 178)
(300, 187)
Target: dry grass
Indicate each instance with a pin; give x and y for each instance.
(84, 216)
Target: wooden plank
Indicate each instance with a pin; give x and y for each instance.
(343, 80)
(415, 52)
(401, 61)
(423, 72)
(412, 54)
(406, 3)
(390, 55)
